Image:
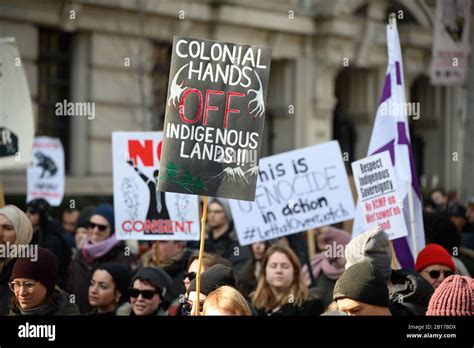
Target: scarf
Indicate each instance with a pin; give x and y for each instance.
(331, 267)
(92, 252)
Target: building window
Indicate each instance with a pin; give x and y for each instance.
(54, 81)
(160, 75)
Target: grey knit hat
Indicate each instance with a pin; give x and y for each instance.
(374, 246)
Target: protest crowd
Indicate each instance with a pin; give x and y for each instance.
(80, 268)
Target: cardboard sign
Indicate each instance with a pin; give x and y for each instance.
(214, 118)
(142, 212)
(46, 175)
(296, 191)
(377, 189)
(17, 127)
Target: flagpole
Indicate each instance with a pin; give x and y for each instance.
(201, 252)
(411, 208)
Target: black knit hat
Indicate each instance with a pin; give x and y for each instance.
(43, 268)
(158, 278)
(361, 282)
(214, 277)
(119, 274)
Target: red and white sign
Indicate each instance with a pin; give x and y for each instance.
(142, 212)
(377, 189)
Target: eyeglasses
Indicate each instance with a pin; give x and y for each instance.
(188, 307)
(146, 294)
(28, 286)
(215, 211)
(190, 275)
(435, 274)
(101, 228)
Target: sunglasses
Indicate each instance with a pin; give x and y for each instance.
(188, 307)
(146, 294)
(435, 274)
(101, 228)
(190, 275)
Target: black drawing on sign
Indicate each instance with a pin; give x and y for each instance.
(47, 164)
(8, 142)
(182, 203)
(157, 208)
(130, 197)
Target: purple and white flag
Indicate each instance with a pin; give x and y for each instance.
(391, 133)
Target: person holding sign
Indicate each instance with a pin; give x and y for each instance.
(280, 289)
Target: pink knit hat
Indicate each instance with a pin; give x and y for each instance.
(453, 297)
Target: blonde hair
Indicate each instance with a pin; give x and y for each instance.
(228, 299)
(297, 292)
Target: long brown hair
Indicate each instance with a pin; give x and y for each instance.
(297, 292)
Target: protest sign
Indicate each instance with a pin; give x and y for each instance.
(214, 118)
(296, 191)
(377, 189)
(47, 173)
(16, 114)
(450, 57)
(142, 212)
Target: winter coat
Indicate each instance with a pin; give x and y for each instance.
(126, 309)
(409, 293)
(309, 307)
(61, 307)
(229, 248)
(51, 238)
(81, 273)
(5, 292)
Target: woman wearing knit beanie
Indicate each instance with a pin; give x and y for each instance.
(434, 264)
(34, 283)
(454, 296)
(100, 247)
(15, 229)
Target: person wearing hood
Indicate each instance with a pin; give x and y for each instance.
(327, 265)
(362, 291)
(211, 279)
(48, 233)
(149, 293)
(454, 297)
(108, 288)
(100, 247)
(34, 282)
(221, 237)
(15, 229)
(409, 292)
